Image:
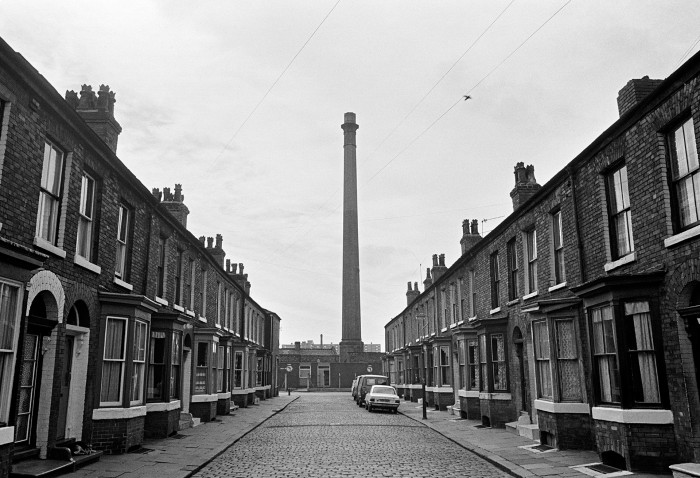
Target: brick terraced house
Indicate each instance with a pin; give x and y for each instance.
(116, 323)
(576, 321)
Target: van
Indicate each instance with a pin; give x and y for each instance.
(353, 388)
(364, 384)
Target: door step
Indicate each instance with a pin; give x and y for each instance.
(35, 467)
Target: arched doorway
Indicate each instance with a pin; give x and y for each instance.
(518, 345)
(37, 341)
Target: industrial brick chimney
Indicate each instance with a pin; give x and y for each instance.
(98, 112)
(525, 185)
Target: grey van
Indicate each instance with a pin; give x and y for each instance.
(364, 384)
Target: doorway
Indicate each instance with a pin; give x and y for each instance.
(26, 409)
(520, 356)
(66, 374)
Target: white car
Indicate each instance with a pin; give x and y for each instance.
(382, 396)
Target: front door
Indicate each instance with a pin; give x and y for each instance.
(65, 387)
(186, 379)
(27, 391)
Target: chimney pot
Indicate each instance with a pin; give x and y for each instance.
(219, 241)
(228, 265)
(210, 242)
(240, 268)
(435, 260)
(442, 260)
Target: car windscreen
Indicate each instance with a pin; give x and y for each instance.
(387, 390)
(377, 381)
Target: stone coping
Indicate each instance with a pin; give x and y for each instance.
(686, 469)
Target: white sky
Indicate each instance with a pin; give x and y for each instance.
(187, 74)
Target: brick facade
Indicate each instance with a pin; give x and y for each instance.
(573, 263)
(72, 297)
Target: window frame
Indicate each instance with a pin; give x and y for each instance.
(122, 243)
(48, 230)
(615, 214)
(558, 262)
(627, 383)
(512, 258)
(531, 260)
(161, 267)
(7, 365)
(494, 264)
(675, 179)
(138, 361)
(123, 360)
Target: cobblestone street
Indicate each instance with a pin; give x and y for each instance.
(326, 434)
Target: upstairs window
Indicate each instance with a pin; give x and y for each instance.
(558, 245)
(178, 277)
(621, 240)
(512, 257)
(160, 291)
(495, 281)
(472, 293)
(50, 194)
(531, 249)
(120, 267)
(685, 174)
(86, 217)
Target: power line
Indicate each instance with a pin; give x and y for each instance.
(680, 60)
(467, 96)
(279, 77)
(442, 77)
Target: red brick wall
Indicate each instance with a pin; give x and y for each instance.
(117, 436)
(571, 431)
(645, 447)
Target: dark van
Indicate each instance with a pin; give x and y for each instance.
(364, 384)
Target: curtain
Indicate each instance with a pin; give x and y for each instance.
(567, 361)
(644, 344)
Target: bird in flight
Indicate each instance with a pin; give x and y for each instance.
(467, 97)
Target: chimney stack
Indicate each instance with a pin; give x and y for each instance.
(217, 250)
(173, 203)
(412, 294)
(439, 267)
(525, 185)
(235, 271)
(634, 92)
(98, 112)
(428, 281)
(470, 235)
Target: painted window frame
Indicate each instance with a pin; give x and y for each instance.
(122, 261)
(111, 360)
(140, 330)
(512, 258)
(494, 266)
(84, 245)
(558, 261)
(531, 261)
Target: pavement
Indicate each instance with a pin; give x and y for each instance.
(193, 448)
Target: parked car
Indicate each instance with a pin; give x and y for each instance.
(353, 388)
(365, 382)
(382, 397)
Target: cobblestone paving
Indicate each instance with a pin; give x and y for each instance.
(327, 435)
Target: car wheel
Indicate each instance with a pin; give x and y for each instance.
(369, 408)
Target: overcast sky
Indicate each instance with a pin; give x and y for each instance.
(188, 74)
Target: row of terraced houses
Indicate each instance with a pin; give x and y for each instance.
(576, 321)
(116, 322)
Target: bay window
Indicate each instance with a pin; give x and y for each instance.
(473, 364)
(10, 305)
(543, 367)
(138, 362)
(220, 369)
(492, 360)
(498, 362)
(201, 367)
(238, 370)
(113, 361)
(461, 353)
(175, 360)
(156, 366)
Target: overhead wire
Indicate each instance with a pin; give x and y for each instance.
(391, 133)
(680, 60)
(274, 83)
(467, 96)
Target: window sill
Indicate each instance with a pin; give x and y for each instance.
(472, 319)
(531, 295)
(512, 302)
(161, 301)
(163, 406)
(444, 329)
(629, 258)
(201, 318)
(48, 247)
(495, 396)
(123, 284)
(682, 236)
(7, 435)
(460, 322)
(578, 408)
(119, 413)
(189, 312)
(494, 311)
(619, 415)
(86, 264)
(453, 326)
(557, 287)
(178, 308)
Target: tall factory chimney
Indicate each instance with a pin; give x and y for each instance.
(351, 342)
